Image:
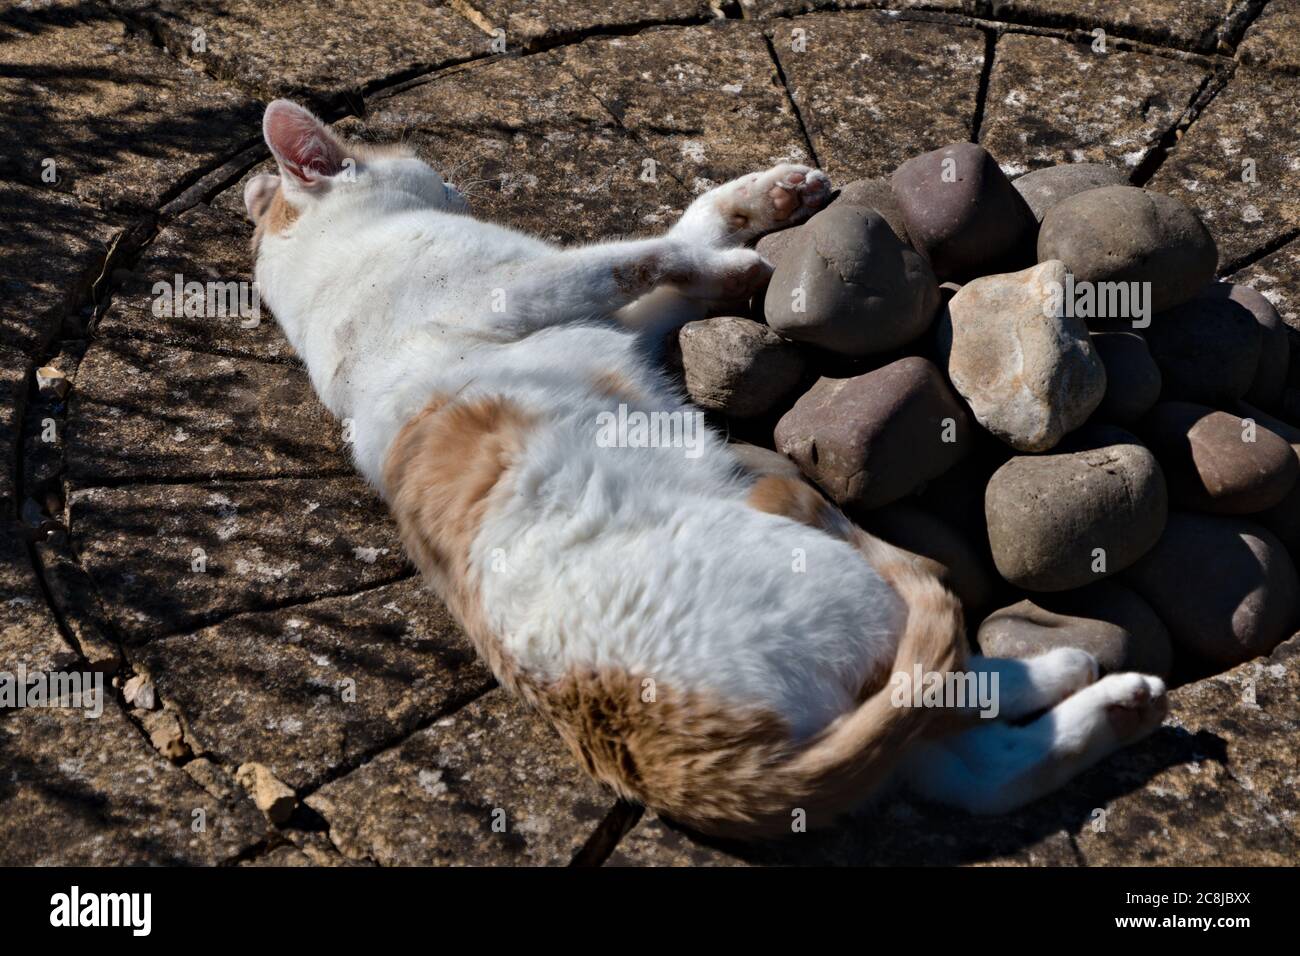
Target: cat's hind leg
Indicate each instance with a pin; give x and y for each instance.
(1026, 686)
(996, 767)
(740, 211)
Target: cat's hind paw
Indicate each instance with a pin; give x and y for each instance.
(784, 195)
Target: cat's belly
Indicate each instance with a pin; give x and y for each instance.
(717, 599)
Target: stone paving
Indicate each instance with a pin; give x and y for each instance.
(184, 519)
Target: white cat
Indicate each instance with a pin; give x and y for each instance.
(715, 643)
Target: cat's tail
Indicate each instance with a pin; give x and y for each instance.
(837, 769)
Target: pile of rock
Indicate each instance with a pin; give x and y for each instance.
(1040, 385)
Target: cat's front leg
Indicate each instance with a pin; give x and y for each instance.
(738, 212)
(597, 281)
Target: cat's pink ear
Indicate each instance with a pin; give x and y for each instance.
(303, 146)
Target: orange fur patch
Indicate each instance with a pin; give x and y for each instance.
(792, 498)
(445, 468)
(277, 218)
(617, 385)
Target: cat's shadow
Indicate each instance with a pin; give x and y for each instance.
(902, 832)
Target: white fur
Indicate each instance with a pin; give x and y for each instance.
(644, 559)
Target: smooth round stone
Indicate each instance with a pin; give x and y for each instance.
(876, 194)
(962, 212)
(873, 194)
(736, 366)
(1132, 377)
(1283, 519)
(955, 561)
(849, 285)
(1028, 376)
(1275, 342)
(1044, 188)
(1126, 234)
(1216, 462)
(1068, 519)
(1106, 619)
(1225, 587)
(872, 439)
(1208, 350)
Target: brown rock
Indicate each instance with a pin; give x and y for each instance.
(737, 367)
(1218, 463)
(1209, 349)
(1067, 519)
(875, 438)
(1275, 344)
(271, 796)
(1132, 377)
(962, 212)
(1126, 234)
(1105, 619)
(1224, 587)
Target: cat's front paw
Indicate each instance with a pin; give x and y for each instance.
(784, 195)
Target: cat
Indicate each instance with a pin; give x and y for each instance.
(711, 640)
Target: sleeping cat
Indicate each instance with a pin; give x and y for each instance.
(714, 642)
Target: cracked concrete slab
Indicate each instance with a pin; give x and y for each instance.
(489, 784)
(707, 101)
(1184, 24)
(1236, 165)
(205, 244)
(1051, 102)
(858, 79)
(92, 792)
(1273, 40)
(310, 48)
(146, 412)
(531, 148)
(117, 121)
(54, 248)
(318, 687)
(528, 23)
(168, 558)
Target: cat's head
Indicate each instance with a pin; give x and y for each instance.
(317, 168)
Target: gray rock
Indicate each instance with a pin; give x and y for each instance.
(876, 194)
(737, 366)
(1067, 519)
(873, 194)
(1208, 349)
(1225, 587)
(1029, 372)
(1275, 343)
(1125, 234)
(1044, 188)
(1105, 619)
(1216, 462)
(870, 440)
(849, 285)
(962, 212)
(1132, 377)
